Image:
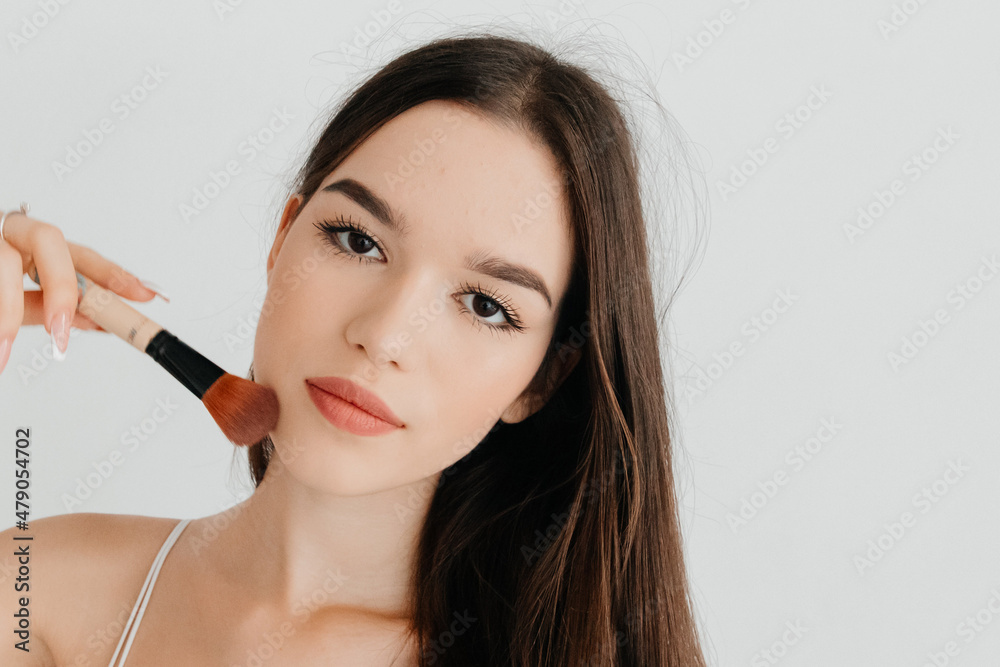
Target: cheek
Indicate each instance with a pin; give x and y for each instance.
(469, 395)
(290, 310)
(472, 423)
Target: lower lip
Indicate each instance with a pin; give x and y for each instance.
(347, 416)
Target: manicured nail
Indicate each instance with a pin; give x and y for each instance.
(59, 333)
(4, 353)
(155, 288)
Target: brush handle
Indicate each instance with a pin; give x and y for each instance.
(108, 311)
(194, 370)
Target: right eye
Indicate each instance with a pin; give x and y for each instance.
(349, 238)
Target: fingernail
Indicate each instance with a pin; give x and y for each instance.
(156, 288)
(4, 353)
(59, 333)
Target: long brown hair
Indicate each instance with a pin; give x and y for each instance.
(556, 540)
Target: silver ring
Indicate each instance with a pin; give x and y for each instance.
(3, 218)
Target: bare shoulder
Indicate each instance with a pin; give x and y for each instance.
(74, 582)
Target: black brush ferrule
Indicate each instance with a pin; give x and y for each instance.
(193, 369)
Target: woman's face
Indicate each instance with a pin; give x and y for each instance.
(396, 311)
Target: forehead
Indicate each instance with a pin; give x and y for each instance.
(465, 181)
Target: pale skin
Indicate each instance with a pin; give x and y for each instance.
(320, 555)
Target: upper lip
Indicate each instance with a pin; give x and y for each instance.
(356, 395)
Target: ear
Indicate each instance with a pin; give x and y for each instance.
(287, 217)
(529, 403)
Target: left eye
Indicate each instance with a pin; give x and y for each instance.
(348, 235)
(493, 308)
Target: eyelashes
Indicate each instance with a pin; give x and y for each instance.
(333, 230)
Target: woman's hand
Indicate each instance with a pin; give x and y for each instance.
(39, 250)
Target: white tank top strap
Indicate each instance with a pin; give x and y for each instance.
(132, 625)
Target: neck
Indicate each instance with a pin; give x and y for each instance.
(300, 548)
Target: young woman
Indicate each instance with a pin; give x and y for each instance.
(464, 257)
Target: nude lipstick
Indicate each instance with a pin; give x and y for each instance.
(350, 407)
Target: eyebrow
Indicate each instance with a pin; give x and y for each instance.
(479, 262)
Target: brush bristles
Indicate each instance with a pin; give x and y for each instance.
(244, 410)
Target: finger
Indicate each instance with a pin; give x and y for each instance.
(83, 322)
(19, 230)
(57, 276)
(44, 245)
(108, 274)
(11, 292)
(102, 271)
(34, 313)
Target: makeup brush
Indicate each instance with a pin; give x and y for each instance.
(244, 410)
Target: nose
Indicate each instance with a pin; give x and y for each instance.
(393, 321)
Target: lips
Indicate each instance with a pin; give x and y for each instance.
(357, 396)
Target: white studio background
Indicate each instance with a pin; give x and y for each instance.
(833, 347)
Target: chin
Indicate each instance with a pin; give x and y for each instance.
(323, 464)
